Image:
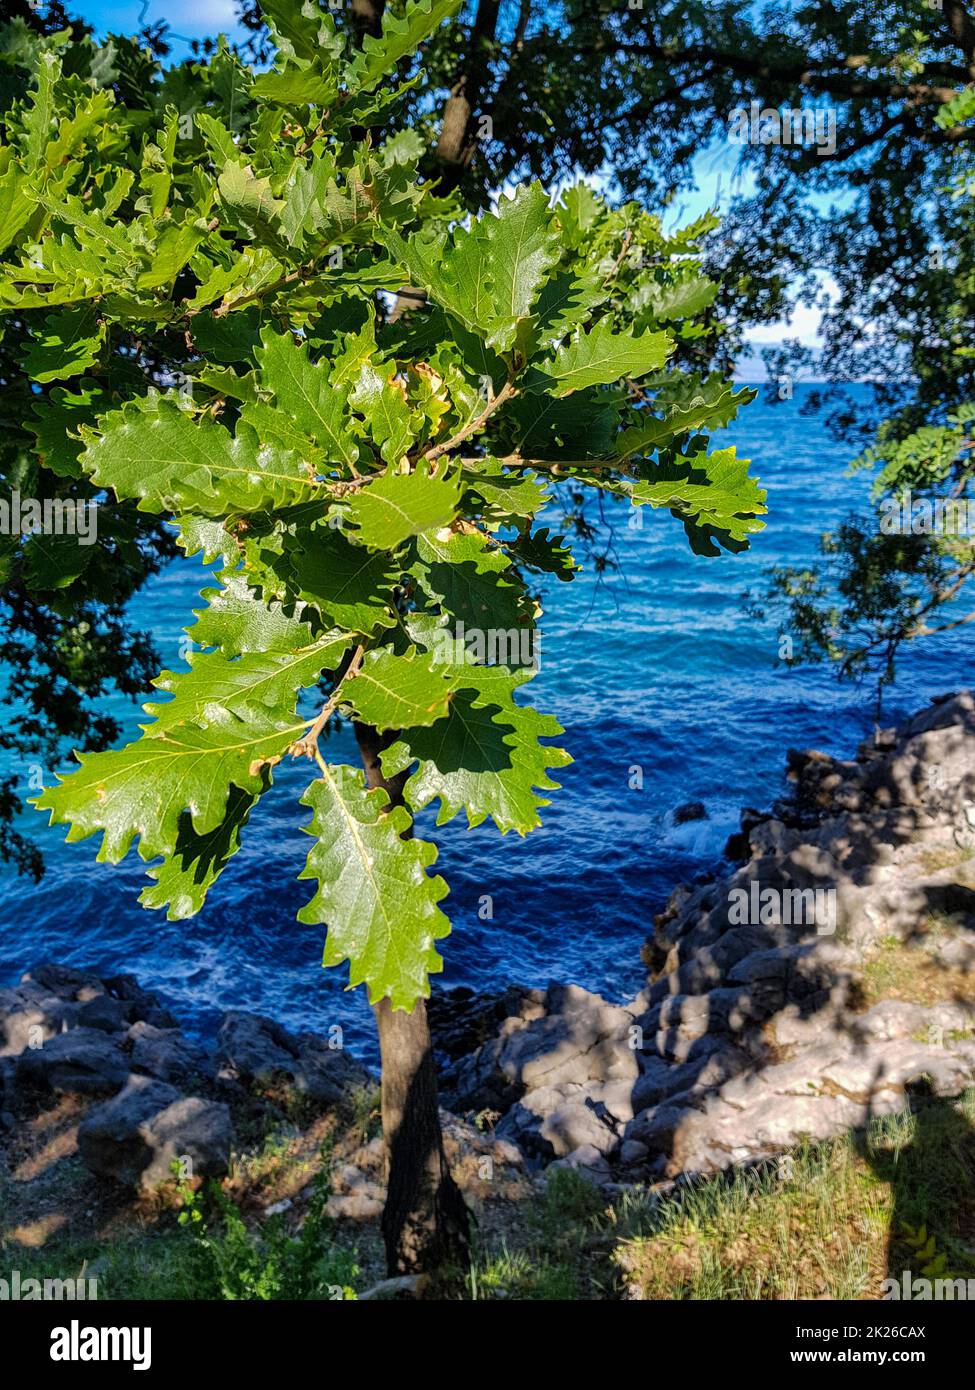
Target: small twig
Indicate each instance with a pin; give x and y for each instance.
(507, 391)
(553, 465)
(307, 746)
(627, 240)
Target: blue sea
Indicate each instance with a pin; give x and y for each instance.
(651, 666)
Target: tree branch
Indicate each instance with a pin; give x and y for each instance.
(307, 746)
(507, 391)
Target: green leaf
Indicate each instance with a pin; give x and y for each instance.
(303, 29)
(490, 276)
(173, 461)
(540, 551)
(399, 505)
(268, 680)
(39, 119)
(683, 300)
(522, 248)
(508, 493)
(226, 382)
(400, 37)
(15, 207)
(602, 356)
(305, 397)
(237, 621)
(219, 140)
(375, 895)
(566, 301)
(484, 757)
(56, 419)
(467, 577)
(202, 535)
(248, 200)
(141, 790)
(183, 879)
(397, 692)
(708, 492)
(381, 400)
(69, 343)
(709, 408)
(350, 585)
(583, 425)
(307, 194)
(55, 561)
(296, 87)
(231, 337)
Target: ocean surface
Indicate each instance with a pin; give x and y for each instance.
(653, 666)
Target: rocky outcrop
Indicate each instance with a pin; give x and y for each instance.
(82, 1061)
(823, 976)
(815, 985)
(261, 1054)
(156, 1095)
(136, 1137)
(52, 999)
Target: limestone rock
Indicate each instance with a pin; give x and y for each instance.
(135, 1137)
(261, 1054)
(84, 1060)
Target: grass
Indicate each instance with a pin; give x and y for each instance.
(908, 971)
(946, 857)
(557, 1257)
(210, 1251)
(827, 1221)
(831, 1220)
(813, 1227)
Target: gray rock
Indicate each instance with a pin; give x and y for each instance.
(113, 1002)
(356, 1206)
(84, 1061)
(261, 1054)
(165, 1054)
(135, 1137)
(632, 1153)
(64, 981)
(30, 1016)
(588, 1161)
(660, 1079)
(554, 1121)
(958, 953)
(146, 1007)
(105, 1013)
(578, 1039)
(755, 1035)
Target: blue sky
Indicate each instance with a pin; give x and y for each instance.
(187, 19)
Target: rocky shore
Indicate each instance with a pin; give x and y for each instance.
(826, 974)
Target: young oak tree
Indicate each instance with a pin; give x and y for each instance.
(366, 480)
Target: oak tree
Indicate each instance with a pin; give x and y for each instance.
(202, 290)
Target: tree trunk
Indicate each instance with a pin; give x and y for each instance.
(425, 1225)
(367, 18)
(458, 142)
